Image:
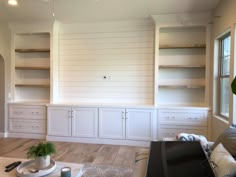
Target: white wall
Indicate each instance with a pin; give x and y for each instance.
(224, 19)
(123, 52)
(5, 48)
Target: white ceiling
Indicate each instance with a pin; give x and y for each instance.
(68, 11)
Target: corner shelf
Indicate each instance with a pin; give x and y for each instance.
(182, 66)
(33, 85)
(182, 86)
(182, 46)
(32, 67)
(31, 50)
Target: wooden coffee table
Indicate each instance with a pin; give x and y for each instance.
(4, 161)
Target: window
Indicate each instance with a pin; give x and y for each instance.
(224, 82)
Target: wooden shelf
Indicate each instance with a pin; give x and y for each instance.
(182, 66)
(33, 85)
(182, 86)
(183, 46)
(31, 50)
(32, 67)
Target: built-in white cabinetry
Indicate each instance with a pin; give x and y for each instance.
(31, 53)
(182, 63)
(72, 122)
(27, 120)
(175, 121)
(130, 124)
(112, 125)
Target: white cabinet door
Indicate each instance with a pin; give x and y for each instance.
(139, 124)
(112, 123)
(59, 121)
(84, 122)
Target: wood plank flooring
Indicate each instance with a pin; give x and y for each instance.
(98, 154)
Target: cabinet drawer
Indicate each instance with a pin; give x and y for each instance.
(173, 131)
(27, 126)
(183, 118)
(27, 112)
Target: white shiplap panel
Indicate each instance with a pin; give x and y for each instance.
(105, 84)
(94, 46)
(103, 35)
(108, 95)
(105, 68)
(134, 51)
(101, 89)
(101, 73)
(121, 56)
(107, 63)
(101, 78)
(111, 101)
(107, 40)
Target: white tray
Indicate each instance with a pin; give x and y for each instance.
(26, 169)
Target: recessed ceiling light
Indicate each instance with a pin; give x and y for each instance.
(12, 2)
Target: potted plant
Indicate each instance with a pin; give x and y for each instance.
(41, 153)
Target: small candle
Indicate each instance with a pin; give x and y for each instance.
(66, 172)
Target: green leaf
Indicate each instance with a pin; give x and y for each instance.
(233, 86)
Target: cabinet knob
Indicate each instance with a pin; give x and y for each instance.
(123, 115)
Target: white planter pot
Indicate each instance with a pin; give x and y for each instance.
(42, 162)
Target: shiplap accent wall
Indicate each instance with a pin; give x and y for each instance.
(123, 52)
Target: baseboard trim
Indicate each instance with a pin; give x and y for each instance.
(28, 135)
(99, 141)
(3, 135)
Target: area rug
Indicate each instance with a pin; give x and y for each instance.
(105, 171)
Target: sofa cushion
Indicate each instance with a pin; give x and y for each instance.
(228, 140)
(223, 162)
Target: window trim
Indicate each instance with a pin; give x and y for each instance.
(220, 76)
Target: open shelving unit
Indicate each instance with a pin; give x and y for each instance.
(182, 65)
(32, 67)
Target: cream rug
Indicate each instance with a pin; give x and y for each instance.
(105, 171)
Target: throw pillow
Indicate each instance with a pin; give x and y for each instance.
(225, 165)
(228, 140)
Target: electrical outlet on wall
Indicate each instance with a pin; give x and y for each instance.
(106, 77)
